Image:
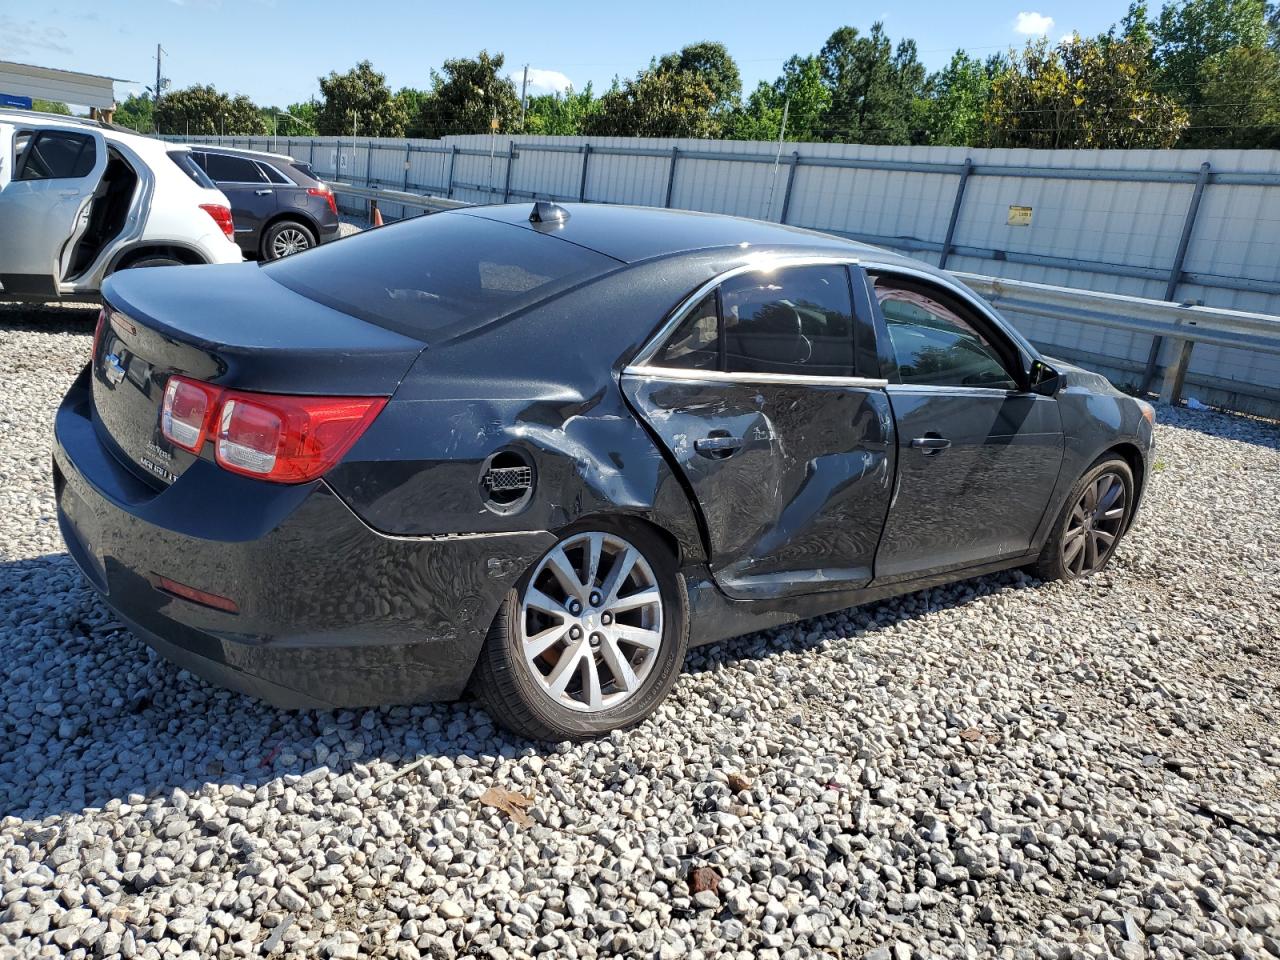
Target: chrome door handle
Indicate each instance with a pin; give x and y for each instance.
(931, 444)
(718, 446)
(263, 193)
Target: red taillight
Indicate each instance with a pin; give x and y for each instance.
(222, 217)
(270, 436)
(289, 439)
(324, 191)
(187, 409)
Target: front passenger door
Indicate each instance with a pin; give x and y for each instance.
(978, 456)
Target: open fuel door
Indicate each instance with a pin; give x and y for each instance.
(45, 206)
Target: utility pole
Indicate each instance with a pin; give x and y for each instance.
(524, 100)
(155, 99)
(782, 134)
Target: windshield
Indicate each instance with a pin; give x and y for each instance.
(437, 275)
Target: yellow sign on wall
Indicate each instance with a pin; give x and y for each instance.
(1019, 216)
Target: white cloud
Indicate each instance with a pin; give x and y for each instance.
(543, 81)
(24, 38)
(1067, 38)
(1032, 24)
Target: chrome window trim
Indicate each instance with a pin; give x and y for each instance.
(655, 342)
(717, 376)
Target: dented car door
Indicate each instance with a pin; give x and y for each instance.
(789, 452)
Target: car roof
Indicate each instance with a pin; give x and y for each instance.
(632, 234)
(241, 152)
(34, 120)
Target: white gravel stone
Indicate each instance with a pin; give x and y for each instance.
(996, 768)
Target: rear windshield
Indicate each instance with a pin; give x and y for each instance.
(187, 164)
(304, 169)
(435, 276)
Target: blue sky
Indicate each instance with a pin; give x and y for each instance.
(273, 50)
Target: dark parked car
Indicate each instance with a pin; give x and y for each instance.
(539, 450)
(278, 204)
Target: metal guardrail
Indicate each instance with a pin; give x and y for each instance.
(1184, 324)
(376, 195)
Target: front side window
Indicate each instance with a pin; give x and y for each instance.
(933, 343)
(58, 155)
(225, 169)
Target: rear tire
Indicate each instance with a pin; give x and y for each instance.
(1092, 522)
(618, 669)
(284, 238)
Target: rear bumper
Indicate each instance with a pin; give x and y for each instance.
(331, 612)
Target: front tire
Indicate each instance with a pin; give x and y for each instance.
(591, 639)
(1093, 520)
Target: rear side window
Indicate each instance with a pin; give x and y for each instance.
(58, 155)
(225, 169)
(795, 320)
(431, 277)
(185, 161)
(274, 175)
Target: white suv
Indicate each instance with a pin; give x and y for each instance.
(81, 199)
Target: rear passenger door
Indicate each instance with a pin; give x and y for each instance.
(757, 389)
(251, 193)
(45, 205)
(978, 455)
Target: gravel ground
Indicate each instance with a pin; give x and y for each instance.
(999, 768)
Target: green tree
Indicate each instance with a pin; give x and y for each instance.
(1273, 26)
(51, 106)
(203, 110)
(952, 112)
(712, 63)
(1081, 93)
(657, 103)
(800, 91)
(874, 86)
(560, 115)
(468, 96)
(136, 112)
(359, 103)
(1190, 32)
(411, 101)
(301, 119)
(1241, 102)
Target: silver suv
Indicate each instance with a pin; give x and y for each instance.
(81, 199)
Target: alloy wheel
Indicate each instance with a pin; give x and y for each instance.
(289, 241)
(1094, 524)
(591, 622)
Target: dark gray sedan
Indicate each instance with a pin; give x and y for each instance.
(540, 450)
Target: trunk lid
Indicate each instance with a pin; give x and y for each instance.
(232, 326)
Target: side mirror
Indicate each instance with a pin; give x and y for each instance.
(1044, 379)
